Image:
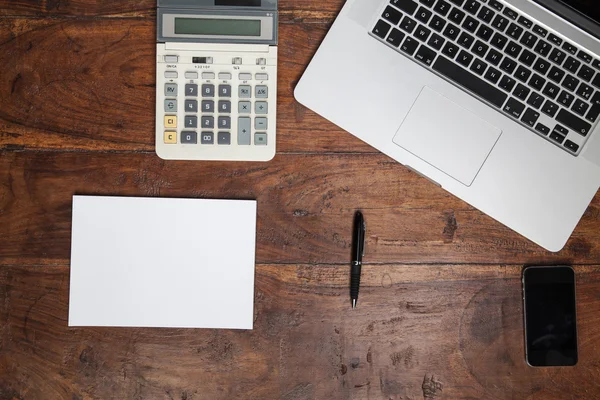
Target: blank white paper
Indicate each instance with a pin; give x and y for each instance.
(157, 262)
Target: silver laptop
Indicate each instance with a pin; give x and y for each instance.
(498, 102)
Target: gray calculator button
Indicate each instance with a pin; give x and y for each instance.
(244, 107)
(245, 77)
(171, 74)
(261, 107)
(225, 106)
(225, 76)
(170, 105)
(171, 89)
(262, 92)
(208, 122)
(189, 137)
(262, 77)
(244, 131)
(261, 124)
(191, 75)
(191, 106)
(208, 90)
(208, 106)
(261, 61)
(191, 90)
(171, 59)
(245, 92)
(191, 121)
(207, 138)
(224, 138)
(224, 123)
(208, 75)
(260, 139)
(225, 90)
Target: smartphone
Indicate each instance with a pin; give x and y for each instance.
(550, 317)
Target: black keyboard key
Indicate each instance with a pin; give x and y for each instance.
(494, 57)
(550, 109)
(585, 91)
(555, 39)
(530, 117)
(596, 64)
(500, 22)
(514, 108)
(527, 58)
(395, 37)
(381, 29)
(557, 137)
(471, 24)
(535, 100)
(596, 81)
(486, 14)
(561, 129)
(442, 8)
(572, 64)
(580, 107)
(574, 122)
(428, 3)
(408, 6)
(540, 31)
(543, 129)
(569, 47)
(422, 33)
(450, 50)
(437, 23)
(571, 146)
(492, 75)
(570, 83)
(525, 22)
(510, 13)
(478, 66)
(484, 32)
(522, 73)
(566, 98)
(409, 46)
(465, 40)
(508, 65)
(521, 92)
(557, 56)
(471, 6)
(480, 48)
(586, 73)
(592, 116)
(456, 15)
(408, 24)
(514, 31)
(425, 55)
(541, 66)
(596, 98)
(469, 81)
(423, 15)
(507, 83)
(556, 74)
(551, 90)
(498, 6)
(436, 41)
(451, 31)
(529, 39)
(464, 58)
(584, 56)
(499, 41)
(513, 49)
(543, 48)
(537, 82)
(392, 15)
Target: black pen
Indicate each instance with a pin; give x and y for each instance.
(358, 251)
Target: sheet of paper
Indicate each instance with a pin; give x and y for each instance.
(157, 262)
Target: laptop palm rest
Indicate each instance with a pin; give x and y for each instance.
(447, 136)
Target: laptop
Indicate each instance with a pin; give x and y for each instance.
(496, 101)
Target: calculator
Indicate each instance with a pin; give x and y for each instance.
(216, 75)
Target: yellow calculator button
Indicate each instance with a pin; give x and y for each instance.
(170, 137)
(170, 121)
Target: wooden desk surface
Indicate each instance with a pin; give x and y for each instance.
(440, 315)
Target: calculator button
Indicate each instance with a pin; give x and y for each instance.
(261, 107)
(224, 123)
(225, 90)
(208, 106)
(262, 77)
(191, 121)
(245, 77)
(191, 90)
(170, 105)
(224, 138)
(170, 137)
(208, 122)
(171, 89)
(224, 76)
(244, 107)
(260, 139)
(208, 90)
(245, 92)
(171, 59)
(261, 124)
(208, 75)
(171, 74)
(191, 75)
(170, 121)
(189, 137)
(261, 61)
(262, 92)
(244, 131)
(207, 138)
(191, 106)
(237, 60)
(225, 106)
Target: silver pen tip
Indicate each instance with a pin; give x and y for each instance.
(353, 303)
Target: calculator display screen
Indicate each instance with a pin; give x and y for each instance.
(225, 27)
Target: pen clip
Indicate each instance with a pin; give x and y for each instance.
(364, 237)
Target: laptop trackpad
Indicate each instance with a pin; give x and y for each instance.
(447, 136)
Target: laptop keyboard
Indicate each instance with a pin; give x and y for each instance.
(522, 68)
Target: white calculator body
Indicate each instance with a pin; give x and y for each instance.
(216, 91)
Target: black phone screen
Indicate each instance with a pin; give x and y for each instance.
(550, 317)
